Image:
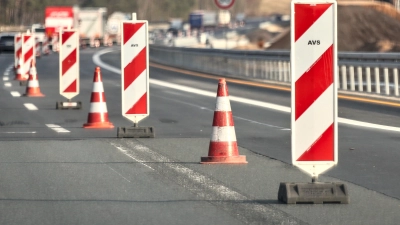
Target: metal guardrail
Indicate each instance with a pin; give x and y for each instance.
(370, 73)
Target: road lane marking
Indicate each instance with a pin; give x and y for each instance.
(7, 84)
(57, 128)
(30, 106)
(207, 187)
(126, 152)
(115, 171)
(22, 132)
(237, 117)
(15, 94)
(6, 78)
(6, 73)
(97, 61)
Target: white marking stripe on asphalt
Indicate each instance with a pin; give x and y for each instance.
(6, 78)
(126, 152)
(30, 106)
(57, 128)
(97, 61)
(15, 94)
(26, 132)
(7, 84)
(6, 73)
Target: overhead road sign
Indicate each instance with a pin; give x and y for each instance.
(224, 4)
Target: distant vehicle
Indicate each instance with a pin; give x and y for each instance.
(7, 42)
(92, 23)
(203, 20)
(60, 17)
(40, 32)
(113, 29)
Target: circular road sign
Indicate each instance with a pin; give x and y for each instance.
(224, 4)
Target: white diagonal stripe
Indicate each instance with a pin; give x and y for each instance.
(30, 106)
(15, 94)
(98, 107)
(98, 87)
(139, 39)
(314, 122)
(223, 104)
(134, 92)
(69, 77)
(72, 42)
(321, 31)
(225, 134)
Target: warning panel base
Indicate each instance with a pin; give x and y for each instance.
(23, 83)
(69, 105)
(135, 132)
(313, 193)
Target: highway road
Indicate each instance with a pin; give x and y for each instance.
(53, 171)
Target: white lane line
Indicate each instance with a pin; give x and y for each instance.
(116, 171)
(15, 94)
(57, 128)
(7, 84)
(6, 78)
(26, 132)
(6, 73)
(126, 152)
(97, 61)
(30, 106)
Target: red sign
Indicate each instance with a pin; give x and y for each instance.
(224, 4)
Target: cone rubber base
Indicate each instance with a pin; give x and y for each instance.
(34, 95)
(69, 105)
(240, 159)
(98, 125)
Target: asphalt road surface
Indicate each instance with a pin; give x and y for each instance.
(53, 171)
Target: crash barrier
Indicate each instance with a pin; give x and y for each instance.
(369, 73)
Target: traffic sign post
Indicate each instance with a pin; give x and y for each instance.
(69, 68)
(135, 77)
(314, 101)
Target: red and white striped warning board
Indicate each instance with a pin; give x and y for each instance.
(69, 63)
(17, 48)
(27, 52)
(314, 90)
(135, 70)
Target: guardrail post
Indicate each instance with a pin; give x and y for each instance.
(396, 81)
(368, 73)
(280, 71)
(338, 78)
(386, 73)
(254, 69)
(377, 81)
(246, 68)
(271, 70)
(352, 82)
(344, 78)
(285, 70)
(360, 80)
(265, 70)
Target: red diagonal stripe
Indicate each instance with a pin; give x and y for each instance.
(135, 68)
(140, 106)
(66, 35)
(306, 15)
(322, 149)
(26, 38)
(28, 55)
(71, 88)
(222, 119)
(68, 62)
(314, 82)
(130, 29)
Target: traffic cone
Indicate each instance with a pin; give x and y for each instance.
(20, 75)
(32, 89)
(98, 115)
(223, 146)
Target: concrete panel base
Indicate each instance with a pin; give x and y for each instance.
(135, 132)
(313, 193)
(69, 105)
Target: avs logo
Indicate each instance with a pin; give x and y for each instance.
(314, 42)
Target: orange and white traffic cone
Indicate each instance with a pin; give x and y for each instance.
(223, 146)
(98, 114)
(20, 74)
(32, 89)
